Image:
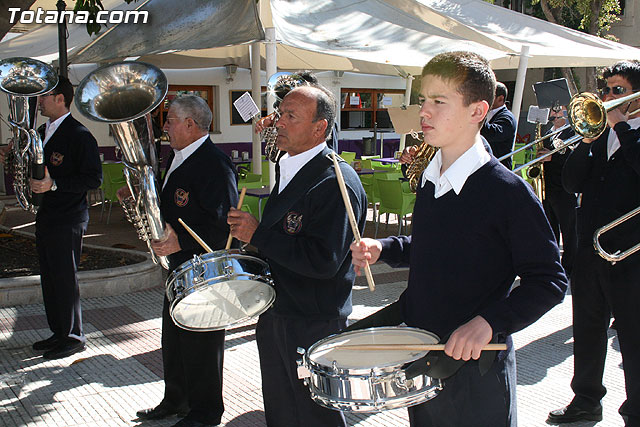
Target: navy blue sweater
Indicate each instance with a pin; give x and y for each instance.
(466, 250)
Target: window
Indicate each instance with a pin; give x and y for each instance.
(362, 108)
(204, 92)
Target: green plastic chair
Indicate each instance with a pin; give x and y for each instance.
(252, 205)
(519, 158)
(348, 156)
(250, 180)
(112, 180)
(394, 199)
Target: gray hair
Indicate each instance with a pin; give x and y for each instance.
(195, 107)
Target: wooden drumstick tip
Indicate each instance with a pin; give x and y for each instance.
(240, 201)
(195, 236)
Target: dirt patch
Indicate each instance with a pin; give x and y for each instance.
(20, 258)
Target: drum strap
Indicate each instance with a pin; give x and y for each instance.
(436, 364)
(391, 315)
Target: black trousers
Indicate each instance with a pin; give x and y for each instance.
(59, 247)
(599, 290)
(192, 364)
(287, 401)
(469, 399)
(560, 208)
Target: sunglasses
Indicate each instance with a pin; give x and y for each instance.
(616, 90)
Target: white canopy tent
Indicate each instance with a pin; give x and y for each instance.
(371, 36)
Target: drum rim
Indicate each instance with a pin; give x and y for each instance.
(270, 301)
(237, 254)
(378, 370)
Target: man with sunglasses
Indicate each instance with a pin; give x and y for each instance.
(607, 173)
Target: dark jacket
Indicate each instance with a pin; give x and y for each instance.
(72, 158)
(200, 191)
(500, 132)
(305, 236)
(610, 188)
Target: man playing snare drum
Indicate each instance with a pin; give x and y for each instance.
(305, 236)
(199, 187)
(476, 226)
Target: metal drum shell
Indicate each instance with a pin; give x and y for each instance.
(368, 389)
(219, 267)
(372, 388)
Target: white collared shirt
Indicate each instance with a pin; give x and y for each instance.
(181, 155)
(458, 173)
(291, 165)
(51, 127)
(613, 143)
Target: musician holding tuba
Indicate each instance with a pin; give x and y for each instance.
(199, 187)
(72, 168)
(607, 173)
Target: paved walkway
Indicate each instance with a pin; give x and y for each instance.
(121, 370)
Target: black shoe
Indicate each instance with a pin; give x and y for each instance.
(158, 413)
(572, 413)
(47, 344)
(188, 422)
(64, 349)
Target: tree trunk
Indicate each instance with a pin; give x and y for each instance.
(566, 72)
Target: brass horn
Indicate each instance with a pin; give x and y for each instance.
(279, 84)
(617, 256)
(587, 117)
(21, 78)
(123, 94)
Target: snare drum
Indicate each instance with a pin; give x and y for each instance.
(219, 289)
(367, 380)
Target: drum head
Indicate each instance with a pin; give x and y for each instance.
(222, 304)
(328, 353)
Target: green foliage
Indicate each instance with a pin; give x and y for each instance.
(93, 7)
(578, 14)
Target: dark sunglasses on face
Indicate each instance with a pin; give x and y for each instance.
(616, 90)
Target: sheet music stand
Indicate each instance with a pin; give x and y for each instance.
(552, 94)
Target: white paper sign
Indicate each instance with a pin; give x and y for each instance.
(246, 107)
(538, 115)
(386, 100)
(354, 100)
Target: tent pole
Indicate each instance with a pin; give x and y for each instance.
(407, 100)
(522, 73)
(62, 41)
(272, 68)
(256, 149)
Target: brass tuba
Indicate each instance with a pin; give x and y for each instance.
(280, 84)
(123, 94)
(21, 78)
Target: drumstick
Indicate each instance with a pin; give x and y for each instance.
(195, 236)
(352, 218)
(410, 347)
(240, 200)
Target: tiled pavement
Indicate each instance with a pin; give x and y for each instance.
(121, 370)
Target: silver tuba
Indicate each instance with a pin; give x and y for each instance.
(21, 78)
(279, 85)
(123, 94)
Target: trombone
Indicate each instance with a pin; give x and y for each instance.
(587, 117)
(617, 256)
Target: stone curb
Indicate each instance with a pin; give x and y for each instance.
(95, 283)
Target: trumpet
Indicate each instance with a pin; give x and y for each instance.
(587, 117)
(617, 256)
